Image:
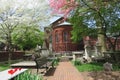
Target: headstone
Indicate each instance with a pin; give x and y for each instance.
(107, 66)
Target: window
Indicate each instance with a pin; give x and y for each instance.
(65, 36)
(57, 37)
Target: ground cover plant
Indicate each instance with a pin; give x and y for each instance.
(28, 76)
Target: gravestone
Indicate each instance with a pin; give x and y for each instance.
(107, 66)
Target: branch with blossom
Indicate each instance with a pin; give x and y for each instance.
(63, 6)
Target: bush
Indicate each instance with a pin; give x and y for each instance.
(56, 61)
(77, 62)
(28, 76)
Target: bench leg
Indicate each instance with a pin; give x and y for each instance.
(46, 67)
(37, 70)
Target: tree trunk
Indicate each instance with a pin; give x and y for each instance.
(101, 40)
(9, 57)
(9, 48)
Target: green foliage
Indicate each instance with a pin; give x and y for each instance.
(77, 62)
(28, 76)
(28, 38)
(81, 27)
(90, 67)
(56, 61)
(94, 66)
(4, 67)
(97, 17)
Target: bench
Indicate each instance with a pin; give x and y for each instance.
(44, 63)
(9, 74)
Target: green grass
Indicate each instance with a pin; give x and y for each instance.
(94, 67)
(89, 67)
(4, 67)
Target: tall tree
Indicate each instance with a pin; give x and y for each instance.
(16, 12)
(103, 15)
(29, 38)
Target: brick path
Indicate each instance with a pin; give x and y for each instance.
(64, 71)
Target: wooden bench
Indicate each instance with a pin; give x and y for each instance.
(9, 74)
(44, 63)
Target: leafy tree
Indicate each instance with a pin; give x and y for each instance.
(29, 38)
(16, 12)
(99, 16)
(6, 29)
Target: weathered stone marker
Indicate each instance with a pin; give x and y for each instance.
(107, 66)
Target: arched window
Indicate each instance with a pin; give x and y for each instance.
(56, 37)
(65, 36)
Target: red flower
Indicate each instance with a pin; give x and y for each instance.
(12, 71)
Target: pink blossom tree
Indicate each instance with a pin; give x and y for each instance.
(102, 14)
(63, 6)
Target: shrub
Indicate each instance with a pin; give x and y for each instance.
(77, 62)
(56, 61)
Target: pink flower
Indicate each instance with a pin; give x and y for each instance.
(63, 6)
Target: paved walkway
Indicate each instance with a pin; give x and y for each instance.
(64, 71)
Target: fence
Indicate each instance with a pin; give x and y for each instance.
(15, 55)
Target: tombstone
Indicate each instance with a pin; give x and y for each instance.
(78, 54)
(87, 53)
(107, 66)
(44, 50)
(44, 45)
(38, 50)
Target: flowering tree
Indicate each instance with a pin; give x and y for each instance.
(14, 13)
(102, 15)
(63, 6)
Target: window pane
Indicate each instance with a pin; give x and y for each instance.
(56, 37)
(65, 36)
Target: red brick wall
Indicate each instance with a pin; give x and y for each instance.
(61, 45)
(93, 41)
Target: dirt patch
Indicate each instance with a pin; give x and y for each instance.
(101, 75)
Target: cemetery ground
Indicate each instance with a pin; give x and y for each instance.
(95, 71)
(89, 71)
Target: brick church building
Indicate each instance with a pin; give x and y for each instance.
(58, 35)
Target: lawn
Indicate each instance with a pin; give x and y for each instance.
(3, 67)
(94, 66)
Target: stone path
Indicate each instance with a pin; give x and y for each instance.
(64, 71)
